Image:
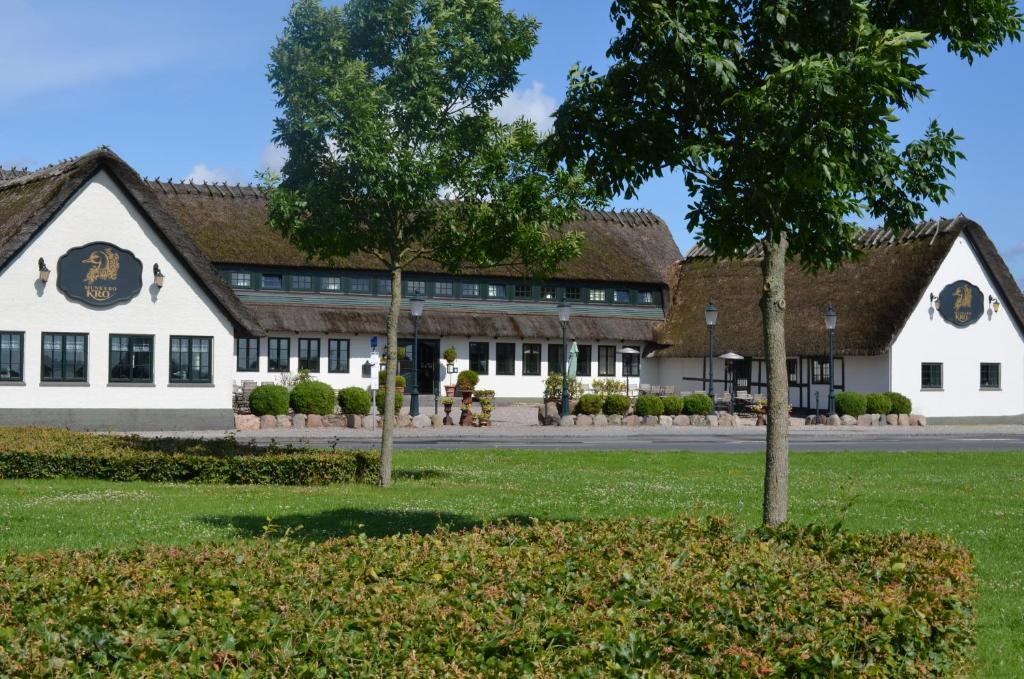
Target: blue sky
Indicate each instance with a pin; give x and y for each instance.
(180, 90)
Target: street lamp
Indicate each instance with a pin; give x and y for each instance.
(629, 351)
(416, 309)
(564, 312)
(711, 319)
(831, 317)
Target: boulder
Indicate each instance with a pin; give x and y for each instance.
(567, 421)
(552, 415)
(893, 420)
(584, 421)
(336, 421)
(725, 420)
(246, 422)
(649, 421)
(615, 419)
(867, 421)
(793, 421)
(284, 422)
(904, 420)
(354, 421)
(299, 421)
(371, 421)
(665, 420)
(268, 422)
(421, 421)
(314, 421)
(918, 421)
(699, 420)
(848, 420)
(712, 420)
(404, 420)
(631, 421)
(811, 420)
(681, 420)
(600, 420)
(437, 421)
(834, 420)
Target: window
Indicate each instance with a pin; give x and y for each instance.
(819, 371)
(584, 359)
(359, 285)
(191, 359)
(470, 290)
(631, 363)
(247, 354)
(416, 287)
(479, 356)
(65, 357)
(271, 281)
(309, 355)
(531, 359)
(572, 294)
(496, 290)
(596, 295)
(302, 282)
(793, 368)
(621, 296)
(645, 297)
(548, 293)
(555, 361)
(241, 279)
(12, 356)
(990, 376)
(384, 286)
(337, 356)
(330, 283)
(523, 291)
(131, 358)
(444, 288)
(931, 376)
(505, 358)
(606, 361)
(278, 349)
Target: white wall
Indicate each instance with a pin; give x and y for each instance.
(928, 338)
(100, 212)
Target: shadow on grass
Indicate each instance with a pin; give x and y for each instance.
(350, 521)
(419, 474)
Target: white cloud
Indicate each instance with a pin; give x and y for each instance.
(213, 175)
(273, 157)
(531, 104)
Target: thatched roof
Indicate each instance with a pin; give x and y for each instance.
(229, 225)
(29, 200)
(874, 296)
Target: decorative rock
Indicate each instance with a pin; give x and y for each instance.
(918, 421)
(867, 421)
(551, 413)
(615, 419)
(437, 421)
(404, 420)
(631, 421)
(811, 420)
(848, 420)
(421, 421)
(284, 422)
(793, 421)
(584, 421)
(894, 420)
(567, 421)
(712, 420)
(600, 420)
(314, 421)
(299, 421)
(268, 422)
(725, 420)
(904, 420)
(834, 420)
(681, 420)
(246, 422)
(665, 420)
(354, 421)
(699, 420)
(650, 421)
(370, 421)
(336, 421)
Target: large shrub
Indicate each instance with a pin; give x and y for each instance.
(467, 380)
(381, 401)
(901, 405)
(649, 405)
(673, 404)
(877, 404)
(851, 403)
(634, 597)
(313, 398)
(698, 404)
(590, 404)
(354, 401)
(269, 399)
(616, 404)
(607, 386)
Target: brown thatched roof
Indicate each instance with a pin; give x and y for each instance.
(29, 200)
(874, 296)
(229, 225)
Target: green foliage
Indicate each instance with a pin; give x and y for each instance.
(467, 380)
(673, 404)
(649, 405)
(553, 387)
(450, 355)
(269, 399)
(354, 401)
(901, 405)
(399, 399)
(382, 377)
(590, 404)
(616, 404)
(609, 386)
(645, 597)
(312, 397)
(32, 453)
(698, 404)
(851, 403)
(877, 404)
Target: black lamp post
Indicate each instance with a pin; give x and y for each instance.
(564, 311)
(416, 309)
(711, 319)
(831, 317)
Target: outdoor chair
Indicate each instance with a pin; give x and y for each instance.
(645, 388)
(668, 390)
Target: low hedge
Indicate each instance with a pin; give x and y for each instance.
(877, 404)
(590, 404)
(901, 405)
(313, 398)
(698, 404)
(616, 404)
(380, 402)
(28, 453)
(649, 405)
(673, 404)
(851, 403)
(354, 401)
(629, 597)
(269, 399)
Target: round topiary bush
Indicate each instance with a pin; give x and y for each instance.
(380, 402)
(354, 401)
(878, 404)
(851, 403)
(901, 405)
(616, 404)
(649, 405)
(590, 404)
(467, 380)
(313, 398)
(269, 399)
(698, 404)
(673, 405)
(382, 380)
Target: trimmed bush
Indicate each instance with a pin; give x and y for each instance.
(616, 404)
(590, 404)
(877, 404)
(467, 380)
(313, 398)
(269, 399)
(698, 404)
(647, 598)
(380, 402)
(673, 405)
(354, 401)
(649, 405)
(851, 403)
(901, 405)
(382, 377)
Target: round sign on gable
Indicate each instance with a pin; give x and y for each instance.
(99, 274)
(961, 304)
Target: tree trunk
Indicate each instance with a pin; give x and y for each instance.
(773, 312)
(388, 416)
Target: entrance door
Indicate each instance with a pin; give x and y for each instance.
(427, 357)
(741, 376)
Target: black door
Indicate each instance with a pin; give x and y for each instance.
(427, 357)
(740, 375)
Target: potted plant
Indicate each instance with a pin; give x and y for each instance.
(486, 397)
(399, 382)
(448, 402)
(467, 414)
(483, 419)
(450, 356)
(466, 383)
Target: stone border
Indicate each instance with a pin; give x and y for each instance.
(868, 421)
(300, 421)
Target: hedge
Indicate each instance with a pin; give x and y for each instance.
(901, 405)
(698, 404)
(673, 404)
(616, 404)
(354, 401)
(312, 397)
(380, 402)
(590, 404)
(649, 405)
(630, 597)
(851, 403)
(269, 399)
(27, 453)
(877, 404)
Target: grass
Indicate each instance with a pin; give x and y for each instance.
(976, 498)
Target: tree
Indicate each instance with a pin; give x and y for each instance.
(778, 116)
(393, 151)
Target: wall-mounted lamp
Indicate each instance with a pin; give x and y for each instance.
(994, 303)
(158, 276)
(935, 301)
(44, 273)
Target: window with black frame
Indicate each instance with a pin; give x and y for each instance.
(584, 359)
(131, 358)
(301, 282)
(337, 356)
(505, 358)
(819, 371)
(531, 359)
(523, 291)
(606, 361)
(931, 376)
(272, 281)
(479, 357)
(65, 358)
(631, 363)
(12, 356)
(555, 362)
(247, 354)
(191, 359)
(793, 368)
(309, 354)
(278, 350)
(990, 376)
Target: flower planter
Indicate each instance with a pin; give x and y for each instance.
(449, 390)
(448, 421)
(468, 418)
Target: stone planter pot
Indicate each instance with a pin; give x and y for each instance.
(449, 390)
(448, 415)
(468, 418)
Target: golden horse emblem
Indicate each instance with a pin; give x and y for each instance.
(105, 265)
(963, 302)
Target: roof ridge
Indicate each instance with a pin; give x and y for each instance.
(209, 189)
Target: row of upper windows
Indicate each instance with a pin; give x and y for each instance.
(505, 359)
(65, 358)
(368, 285)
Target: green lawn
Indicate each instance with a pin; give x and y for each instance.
(977, 498)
